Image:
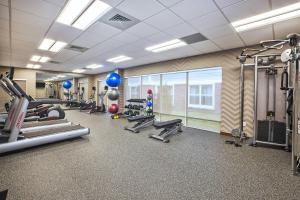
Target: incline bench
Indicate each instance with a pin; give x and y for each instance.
(171, 127)
(142, 122)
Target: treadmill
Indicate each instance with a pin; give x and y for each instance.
(6, 120)
(13, 138)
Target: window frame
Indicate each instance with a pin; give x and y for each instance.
(200, 105)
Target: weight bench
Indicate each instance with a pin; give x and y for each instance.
(171, 127)
(142, 122)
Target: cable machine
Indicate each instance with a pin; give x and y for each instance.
(270, 131)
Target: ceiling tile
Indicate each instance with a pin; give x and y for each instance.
(160, 37)
(211, 20)
(229, 42)
(189, 9)
(218, 31)
(125, 38)
(4, 12)
(181, 30)
(244, 9)
(164, 20)
(30, 19)
(140, 9)
(279, 3)
(59, 3)
(97, 33)
(37, 7)
(282, 29)
(27, 37)
(225, 3)
(63, 33)
(112, 3)
(255, 36)
(142, 30)
(205, 46)
(169, 3)
(64, 55)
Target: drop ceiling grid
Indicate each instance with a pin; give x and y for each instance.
(181, 13)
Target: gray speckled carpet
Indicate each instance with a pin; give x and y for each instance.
(115, 164)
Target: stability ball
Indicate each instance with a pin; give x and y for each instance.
(67, 84)
(113, 108)
(113, 79)
(113, 94)
(149, 91)
(149, 104)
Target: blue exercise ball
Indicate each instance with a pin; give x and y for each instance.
(113, 79)
(67, 84)
(149, 104)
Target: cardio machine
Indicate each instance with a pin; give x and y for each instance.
(101, 107)
(13, 137)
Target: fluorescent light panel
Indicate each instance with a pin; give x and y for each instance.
(46, 44)
(96, 10)
(271, 17)
(61, 76)
(57, 46)
(36, 66)
(78, 71)
(166, 45)
(35, 58)
(119, 59)
(72, 10)
(93, 66)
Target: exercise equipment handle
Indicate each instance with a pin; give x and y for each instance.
(284, 80)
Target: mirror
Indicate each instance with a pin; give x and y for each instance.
(50, 85)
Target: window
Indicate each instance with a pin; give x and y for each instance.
(193, 96)
(132, 86)
(201, 96)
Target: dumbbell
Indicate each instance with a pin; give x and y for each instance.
(136, 113)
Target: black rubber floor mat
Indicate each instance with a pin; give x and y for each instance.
(3, 195)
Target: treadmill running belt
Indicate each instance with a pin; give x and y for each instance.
(52, 131)
(43, 123)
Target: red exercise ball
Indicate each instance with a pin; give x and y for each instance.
(113, 108)
(149, 91)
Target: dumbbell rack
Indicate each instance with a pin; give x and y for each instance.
(135, 105)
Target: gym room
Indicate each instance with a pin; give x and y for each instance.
(149, 99)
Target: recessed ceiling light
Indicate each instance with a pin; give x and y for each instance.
(35, 58)
(93, 66)
(57, 46)
(46, 44)
(271, 17)
(29, 65)
(91, 14)
(44, 59)
(78, 70)
(166, 45)
(72, 10)
(119, 59)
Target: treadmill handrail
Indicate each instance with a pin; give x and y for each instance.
(11, 87)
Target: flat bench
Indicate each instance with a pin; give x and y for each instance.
(159, 125)
(170, 128)
(140, 118)
(142, 122)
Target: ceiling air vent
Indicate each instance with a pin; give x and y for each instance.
(119, 19)
(76, 48)
(54, 62)
(197, 37)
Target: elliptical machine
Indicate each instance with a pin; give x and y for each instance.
(101, 107)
